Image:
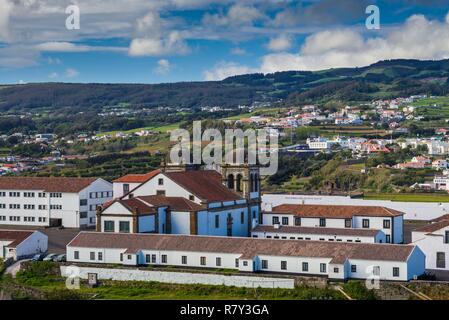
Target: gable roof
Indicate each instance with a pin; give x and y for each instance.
(318, 231)
(16, 236)
(443, 217)
(137, 178)
(247, 248)
(48, 184)
(334, 211)
(175, 203)
(135, 206)
(205, 184)
(433, 226)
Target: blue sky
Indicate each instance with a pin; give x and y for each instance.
(153, 41)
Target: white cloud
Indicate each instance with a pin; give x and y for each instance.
(237, 15)
(238, 51)
(281, 43)
(163, 67)
(417, 38)
(53, 75)
(172, 44)
(55, 46)
(5, 12)
(71, 73)
(51, 60)
(226, 69)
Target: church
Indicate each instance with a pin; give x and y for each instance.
(183, 199)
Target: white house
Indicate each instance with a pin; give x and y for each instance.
(19, 244)
(219, 204)
(318, 234)
(389, 221)
(123, 185)
(433, 240)
(45, 201)
(336, 260)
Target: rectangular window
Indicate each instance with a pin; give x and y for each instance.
(376, 270)
(395, 272)
(203, 261)
(365, 223)
(336, 270)
(218, 261)
(217, 221)
(76, 255)
(275, 220)
(153, 258)
(184, 260)
(164, 258)
(305, 266)
(285, 221)
(192, 198)
(242, 217)
(283, 265)
(446, 237)
(348, 223)
(387, 224)
(387, 238)
(245, 263)
(92, 256)
(147, 258)
(297, 221)
(83, 202)
(121, 256)
(322, 222)
(264, 264)
(353, 268)
(83, 215)
(125, 188)
(124, 226)
(322, 267)
(441, 260)
(160, 181)
(160, 192)
(109, 226)
(100, 256)
(236, 263)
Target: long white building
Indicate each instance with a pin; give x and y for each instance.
(331, 259)
(389, 221)
(46, 201)
(433, 240)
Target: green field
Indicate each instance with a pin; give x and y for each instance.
(437, 106)
(407, 197)
(163, 129)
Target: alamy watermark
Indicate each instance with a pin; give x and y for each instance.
(373, 20)
(252, 146)
(73, 20)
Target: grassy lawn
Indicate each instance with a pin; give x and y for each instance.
(43, 278)
(441, 109)
(163, 129)
(407, 197)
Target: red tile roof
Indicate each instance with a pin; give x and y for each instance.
(319, 231)
(246, 247)
(443, 217)
(205, 184)
(48, 184)
(137, 178)
(16, 236)
(433, 226)
(134, 205)
(334, 211)
(175, 203)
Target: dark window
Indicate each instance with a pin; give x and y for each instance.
(441, 260)
(305, 266)
(161, 182)
(203, 261)
(242, 217)
(160, 192)
(92, 256)
(264, 264)
(283, 265)
(76, 255)
(387, 238)
(125, 188)
(217, 221)
(353, 268)
(147, 258)
(164, 258)
(336, 270)
(121, 256)
(245, 263)
(322, 267)
(184, 259)
(275, 220)
(348, 223)
(83, 215)
(191, 198)
(387, 224)
(109, 226)
(297, 221)
(365, 223)
(100, 256)
(153, 258)
(395, 272)
(129, 257)
(322, 222)
(83, 202)
(447, 237)
(285, 221)
(218, 261)
(124, 226)
(236, 263)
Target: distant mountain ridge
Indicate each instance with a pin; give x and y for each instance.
(383, 79)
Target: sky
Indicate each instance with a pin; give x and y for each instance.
(159, 41)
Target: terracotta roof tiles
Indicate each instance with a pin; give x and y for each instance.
(48, 184)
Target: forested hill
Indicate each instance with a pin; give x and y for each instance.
(383, 79)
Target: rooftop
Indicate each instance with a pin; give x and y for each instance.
(16, 236)
(313, 230)
(433, 226)
(48, 184)
(334, 211)
(137, 178)
(247, 248)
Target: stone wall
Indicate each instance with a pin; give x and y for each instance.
(180, 277)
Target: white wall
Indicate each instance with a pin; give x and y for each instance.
(36, 243)
(379, 238)
(430, 244)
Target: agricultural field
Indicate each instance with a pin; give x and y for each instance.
(407, 197)
(434, 107)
